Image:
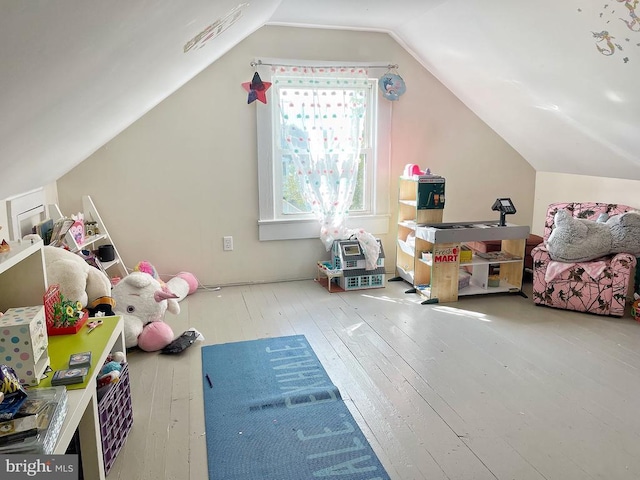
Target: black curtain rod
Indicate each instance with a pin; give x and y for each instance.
(260, 63)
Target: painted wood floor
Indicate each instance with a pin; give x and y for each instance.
(488, 387)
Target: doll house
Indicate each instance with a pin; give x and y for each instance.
(348, 256)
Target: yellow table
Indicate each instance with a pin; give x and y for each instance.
(82, 410)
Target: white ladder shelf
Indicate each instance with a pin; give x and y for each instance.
(113, 268)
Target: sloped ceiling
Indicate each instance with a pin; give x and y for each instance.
(557, 80)
(75, 73)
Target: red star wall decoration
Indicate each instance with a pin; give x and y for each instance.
(257, 89)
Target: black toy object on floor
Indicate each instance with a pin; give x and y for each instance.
(181, 343)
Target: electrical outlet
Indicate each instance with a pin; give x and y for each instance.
(227, 243)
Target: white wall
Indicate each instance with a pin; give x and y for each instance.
(184, 175)
(562, 187)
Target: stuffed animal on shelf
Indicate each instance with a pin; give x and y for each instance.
(79, 281)
(142, 301)
(110, 373)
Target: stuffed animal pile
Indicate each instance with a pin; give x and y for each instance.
(579, 240)
(141, 297)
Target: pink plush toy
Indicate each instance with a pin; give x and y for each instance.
(155, 336)
(142, 301)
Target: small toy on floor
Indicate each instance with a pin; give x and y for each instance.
(183, 342)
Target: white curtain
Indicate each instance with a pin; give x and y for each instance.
(322, 128)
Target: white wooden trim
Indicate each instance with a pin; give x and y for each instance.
(22, 207)
(301, 229)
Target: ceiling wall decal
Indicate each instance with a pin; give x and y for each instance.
(215, 29)
(621, 29)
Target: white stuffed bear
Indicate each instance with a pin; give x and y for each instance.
(78, 280)
(142, 301)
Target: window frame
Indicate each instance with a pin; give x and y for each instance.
(366, 152)
(374, 220)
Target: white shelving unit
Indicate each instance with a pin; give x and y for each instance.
(23, 278)
(23, 283)
(114, 268)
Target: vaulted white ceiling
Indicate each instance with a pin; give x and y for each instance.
(557, 80)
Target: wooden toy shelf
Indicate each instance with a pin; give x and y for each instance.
(413, 210)
(437, 279)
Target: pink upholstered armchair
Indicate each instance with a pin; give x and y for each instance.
(599, 286)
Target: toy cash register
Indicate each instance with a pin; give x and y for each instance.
(505, 207)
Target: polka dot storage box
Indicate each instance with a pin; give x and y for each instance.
(23, 342)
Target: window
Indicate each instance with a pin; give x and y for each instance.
(285, 212)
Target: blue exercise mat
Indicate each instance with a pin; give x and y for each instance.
(272, 413)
